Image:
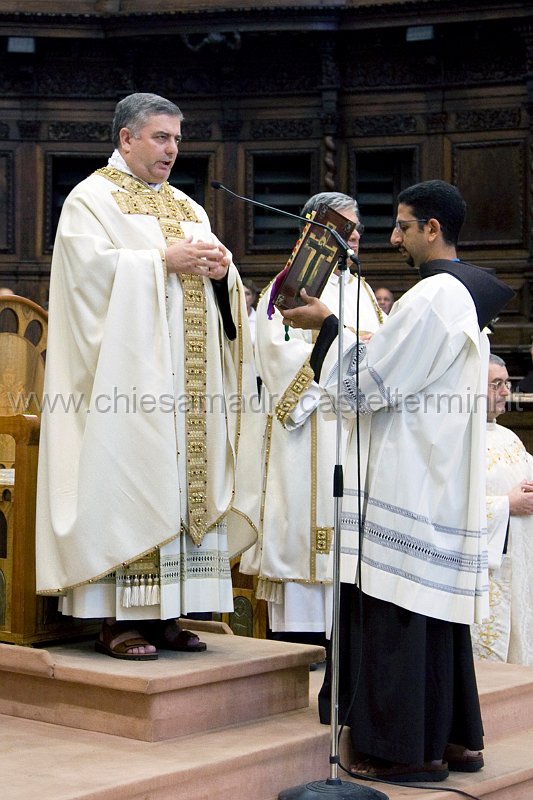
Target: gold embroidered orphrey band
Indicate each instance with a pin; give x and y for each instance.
(321, 535)
(294, 391)
(138, 198)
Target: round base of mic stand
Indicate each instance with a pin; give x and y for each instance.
(335, 789)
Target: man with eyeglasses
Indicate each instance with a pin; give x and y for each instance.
(507, 635)
(419, 579)
(291, 555)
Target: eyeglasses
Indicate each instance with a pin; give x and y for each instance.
(360, 228)
(401, 225)
(499, 383)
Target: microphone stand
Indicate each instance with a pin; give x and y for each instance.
(333, 787)
(344, 245)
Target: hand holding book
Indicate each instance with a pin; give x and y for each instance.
(309, 315)
(312, 260)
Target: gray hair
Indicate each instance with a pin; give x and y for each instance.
(494, 359)
(134, 111)
(336, 200)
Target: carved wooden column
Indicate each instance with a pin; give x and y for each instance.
(329, 114)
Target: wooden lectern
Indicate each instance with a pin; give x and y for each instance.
(25, 618)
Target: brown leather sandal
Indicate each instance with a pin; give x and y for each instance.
(168, 635)
(371, 768)
(109, 632)
(461, 760)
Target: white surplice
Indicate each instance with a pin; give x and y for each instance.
(507, 635)
(115, 480)
(291, 554)
(422, 386)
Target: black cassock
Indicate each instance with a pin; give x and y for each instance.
(416, 685)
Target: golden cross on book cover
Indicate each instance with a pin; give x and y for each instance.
(314, 257)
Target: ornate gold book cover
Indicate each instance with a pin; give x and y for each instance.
(312, 260)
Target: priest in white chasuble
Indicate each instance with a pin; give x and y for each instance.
(292, 552)
(414, 562)
(507, 634)
(145, 487)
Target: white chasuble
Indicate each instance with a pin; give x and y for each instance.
(422, 386)
(292, 551)
(507, 634)
(143, 412)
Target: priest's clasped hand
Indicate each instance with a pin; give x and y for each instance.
(521, 499)
(310, 316)
(198, 258)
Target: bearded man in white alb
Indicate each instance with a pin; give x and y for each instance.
(507, 635)
(292, 552)
(413, 539)
(148, 353)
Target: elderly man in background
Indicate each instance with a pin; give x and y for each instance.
(507, 635)
(385, 298)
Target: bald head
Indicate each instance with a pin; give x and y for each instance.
(385, 298)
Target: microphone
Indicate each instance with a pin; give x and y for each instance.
(338, 238)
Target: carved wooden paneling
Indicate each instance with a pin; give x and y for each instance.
(279, 79)
(377, 68)
(492, 179)
(384, 125)
(230, 129)
(279, 129)
(377, 175)
(84, 77)
(487, 119)
(29, 130)
(200, 131)
(285, 176)
(53, 191)
(79, 132)
(436, 122)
